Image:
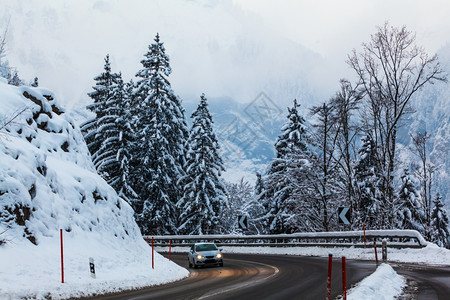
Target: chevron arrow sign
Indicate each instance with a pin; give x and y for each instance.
(243, 222)
(344, 215)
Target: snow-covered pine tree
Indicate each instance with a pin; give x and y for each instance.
(410, 214)
(15, 79)
(367, 182)
(204, 194)
(292, 154)
(109, 133)
(118, 146)
(92, 128)
(259, 185)
(439, 223)
(161, 130)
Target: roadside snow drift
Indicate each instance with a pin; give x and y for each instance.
(383, 284)
(48, 183)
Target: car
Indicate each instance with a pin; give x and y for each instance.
(205, 254)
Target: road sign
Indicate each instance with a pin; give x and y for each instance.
(344, 215)
(243, 222)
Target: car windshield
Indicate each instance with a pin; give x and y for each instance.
(205, 247)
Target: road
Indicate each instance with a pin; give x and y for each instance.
(246, 276)
(424, 281)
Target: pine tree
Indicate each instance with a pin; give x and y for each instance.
(15, 79)
(259, 185)
(439, 223)
(367, 182)
(109, 133)
(292, 155)
(409, 213)
(161, 131)
(92, 128)
(204, 193)
(118, 145)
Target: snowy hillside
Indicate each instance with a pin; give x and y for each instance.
(48, 183)
(432, 115)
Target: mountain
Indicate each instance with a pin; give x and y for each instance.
(48, 183)
(432, 115)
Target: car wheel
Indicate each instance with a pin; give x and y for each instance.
(190, 265)
(221, 264)
(195, 266)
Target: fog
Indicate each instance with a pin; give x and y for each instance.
(288, 49)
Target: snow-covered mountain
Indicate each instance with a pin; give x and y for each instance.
(432, 115)
(48, 183)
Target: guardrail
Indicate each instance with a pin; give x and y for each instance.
(396, 239)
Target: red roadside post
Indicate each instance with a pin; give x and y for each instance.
(330, 263)
(147, 240)
(376, 254)
(153, 253)
(62, 256)
(364, 228)
(344, 279)
(170, 247)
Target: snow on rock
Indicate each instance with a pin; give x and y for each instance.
(48, 183)
(383, 284)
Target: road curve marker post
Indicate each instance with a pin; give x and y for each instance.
(364, 229)
(344, 279)
(376, 254)
(330, 264)
(170, 247)
(153, 253)
(62, 255)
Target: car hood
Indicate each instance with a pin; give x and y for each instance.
(208, 253)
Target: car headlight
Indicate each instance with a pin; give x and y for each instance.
(219, 255)
(199, 256)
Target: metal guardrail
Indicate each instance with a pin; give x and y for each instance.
(396, 239)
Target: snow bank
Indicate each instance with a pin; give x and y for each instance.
(48, 183)
(383, 284)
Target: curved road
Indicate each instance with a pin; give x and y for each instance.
(246, 276)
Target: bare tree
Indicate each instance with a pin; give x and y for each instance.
(4, 69)
(325, 138)
(425, 173)
(391, 68)
(344, 103)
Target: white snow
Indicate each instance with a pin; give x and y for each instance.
(48, 183)
(383, 284)
(429, 255)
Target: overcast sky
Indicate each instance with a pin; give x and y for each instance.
(223, 48)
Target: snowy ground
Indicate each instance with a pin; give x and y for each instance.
(28, 271)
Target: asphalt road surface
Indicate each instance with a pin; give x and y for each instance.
(248, 276)
(425, 282)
